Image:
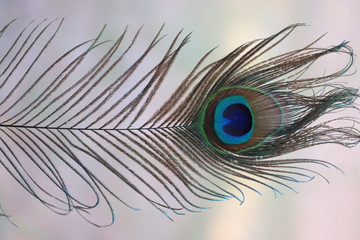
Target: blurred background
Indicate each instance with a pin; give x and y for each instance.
(319, 210)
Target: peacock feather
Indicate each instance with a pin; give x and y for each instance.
(92, 118)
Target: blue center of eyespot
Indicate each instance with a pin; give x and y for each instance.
(233, 120)
(240, 119)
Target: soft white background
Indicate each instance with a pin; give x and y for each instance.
(319, 211)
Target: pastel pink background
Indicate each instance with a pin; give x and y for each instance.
(319, 211)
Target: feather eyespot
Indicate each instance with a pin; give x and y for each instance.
(239, 118)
